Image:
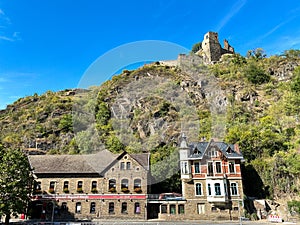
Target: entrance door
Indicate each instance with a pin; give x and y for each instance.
(153, 210)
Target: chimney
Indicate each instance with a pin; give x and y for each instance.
(237, 149)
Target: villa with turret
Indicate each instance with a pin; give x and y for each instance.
(211, 179)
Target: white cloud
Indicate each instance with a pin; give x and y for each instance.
(5, 23)
(233, 11)
(6, 38)
(15, 97)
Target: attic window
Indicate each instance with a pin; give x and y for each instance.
(229, 151)
(196, 151)
(213, 152)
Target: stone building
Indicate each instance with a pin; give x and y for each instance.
(102, 185)
(211, 50)
(211, 179)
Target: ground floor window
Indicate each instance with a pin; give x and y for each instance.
(124, 208)
(93, 207)
(201, 208)
(137, 208)
(64, 206)
(172, 209)
(111, 208)
(214, 209)
(78, 207)
(181, 209)
(163, 208)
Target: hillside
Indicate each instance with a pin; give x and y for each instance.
(253, 101)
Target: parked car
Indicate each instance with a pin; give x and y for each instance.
(170, 196)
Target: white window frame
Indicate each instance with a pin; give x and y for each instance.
(209, 186)
(201, 189)
(184, 167)
(195, 167)
(200, 208)
(233, 162)
(215, 189)
(236, 188)
(215, 166)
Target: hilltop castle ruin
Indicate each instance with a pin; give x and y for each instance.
(211, 50)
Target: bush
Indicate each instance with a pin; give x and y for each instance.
(138, 190)
(256, 75)
(94, 190)
(112, 189)
(79, 190)
(294, 206)
(125, 190)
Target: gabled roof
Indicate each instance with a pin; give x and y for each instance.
(80, 164)
(230, 151)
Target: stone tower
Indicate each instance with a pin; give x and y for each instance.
(211, 47)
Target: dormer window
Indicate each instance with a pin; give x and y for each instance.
(196, 151)
(229, 151)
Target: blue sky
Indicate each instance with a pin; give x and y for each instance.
(49, 44)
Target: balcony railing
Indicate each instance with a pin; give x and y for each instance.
(217, 198)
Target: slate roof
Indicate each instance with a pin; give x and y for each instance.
(142, 159)
(230, 151)
(79, 164)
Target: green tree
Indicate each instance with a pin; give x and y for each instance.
(66, 123)
(258, 53)
(196, 47)
(256, 75)
(292, 53)
(295, 84)
(15, 183)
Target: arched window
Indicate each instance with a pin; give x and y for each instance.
(64, 206)
(66, 184)
(38, 185)
(111, 208)
(66, 187)
(124, 208)
(79, 186)
(137, 183)
(94, 186)
(93, 207)
(112, 185)
(198, 188)
(52, 185)
(137, 208)
(124, 184)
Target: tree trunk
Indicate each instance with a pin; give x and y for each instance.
(7, 218)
